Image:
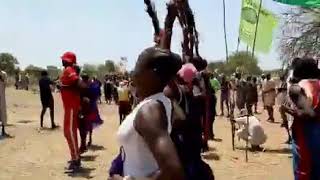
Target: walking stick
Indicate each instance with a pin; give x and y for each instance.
(233, 129)
(247, 140)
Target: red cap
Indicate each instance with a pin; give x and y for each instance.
(69, 57)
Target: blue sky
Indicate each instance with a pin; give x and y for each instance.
(39, 31)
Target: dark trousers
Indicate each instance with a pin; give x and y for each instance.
(249, 107)
(85, 127)
(285, 123)
(124, 109)
(3, 129)
(270, 112)
(212, 115)
(45, 105)
(224, 99)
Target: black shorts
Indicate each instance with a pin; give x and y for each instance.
(47, 103)
(124, 107)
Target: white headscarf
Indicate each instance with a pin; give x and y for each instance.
(3, 75)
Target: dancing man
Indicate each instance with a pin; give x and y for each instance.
(46, 97)
(70, 93)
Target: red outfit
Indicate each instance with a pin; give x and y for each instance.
(71, 102)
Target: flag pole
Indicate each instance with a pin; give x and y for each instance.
(225, 30)
(238, 44)
(256, 31)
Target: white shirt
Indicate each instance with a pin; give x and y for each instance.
(139, 160)
(255, 131)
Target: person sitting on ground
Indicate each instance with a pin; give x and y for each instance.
(253, 133)
(47, 101)
(145, 133)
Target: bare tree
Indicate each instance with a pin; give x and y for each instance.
(300, 35)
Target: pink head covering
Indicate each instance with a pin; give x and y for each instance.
(187, 72)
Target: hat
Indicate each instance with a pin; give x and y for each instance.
(69, 57)
(188, 72)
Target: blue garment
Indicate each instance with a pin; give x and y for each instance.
(306, 149)
(94, 116)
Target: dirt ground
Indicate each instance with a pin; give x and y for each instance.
(34, 154)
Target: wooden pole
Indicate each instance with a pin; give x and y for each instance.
(256, 31)
(233, 129)
(238, 44)
(225, 30)
(247, 141)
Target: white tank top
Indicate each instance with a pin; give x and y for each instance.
(139, 160)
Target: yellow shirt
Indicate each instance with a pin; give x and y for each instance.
(123, 93)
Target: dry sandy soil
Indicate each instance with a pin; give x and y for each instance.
(34, 154)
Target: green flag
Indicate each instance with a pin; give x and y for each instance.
(267, 23)
(305, 3)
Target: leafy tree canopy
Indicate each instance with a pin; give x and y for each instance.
(8, 63)
(240, 61)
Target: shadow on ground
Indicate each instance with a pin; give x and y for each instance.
(211, 156)
(278, 151)
(96, 148)
(7, 136)
(82, 172)
(270, 151)
(10, 125)
(89, 157)
(24, 121)
(49, 128)
(217, 140)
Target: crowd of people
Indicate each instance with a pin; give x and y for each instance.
(167, 111)
(22, 81)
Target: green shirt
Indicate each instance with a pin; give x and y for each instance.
(215, 84)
